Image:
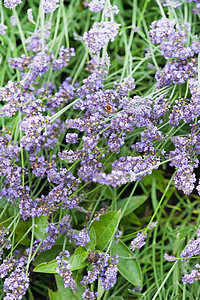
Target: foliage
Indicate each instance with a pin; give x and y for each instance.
(99, 117)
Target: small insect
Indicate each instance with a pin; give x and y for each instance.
(93, 257)
(110, 109)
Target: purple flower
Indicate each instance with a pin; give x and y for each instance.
(127, 85)
(17, 283)
(192, 249)
(197, 9)
(3, 29)
(71, 138)
(49, 5)
(41, 62)
(137, 289)
(81, 238)
(21, 62)
(128, 169)
(111, 10)
(62, 176)
(161, 30)
(30, 15)
(170, 257)
(173, 43)
(108, 276)
(11, 3)
(99, 66)
(115, 143)
(58, 197)
(4, 242)
(100, 34)
(7, 266)
(34, 42)
(148, 137)
(34, 123)
(91, 84)
(139, 241)
(64, 57)
(177, 71)
(64, 224)
(89, 295)
(65, 93)
(118, 233)
(63, 270)
(152, 225)
(106, 268)
(96, 5)
(193, 276)
(13, 21)
(184, 179)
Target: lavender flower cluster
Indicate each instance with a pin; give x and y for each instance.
(178, 3)
(87, 147)
(172, 40)
(191, 250)
(105, 268)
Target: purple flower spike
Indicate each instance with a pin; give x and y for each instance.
(63, 270)
(96, 5)
(100, 34)
(3, 29)
(49, 5)
(139, 241)
(11, 3)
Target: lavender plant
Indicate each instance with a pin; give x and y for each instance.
(90, 129)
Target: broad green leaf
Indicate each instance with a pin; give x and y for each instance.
(134, 203)
(77, 261)
(47, 255)
(3, 201)
(60, 240)
(132, 218)
(91, 245)
(108, 193)
(105, 228)
(128, 266)
(47, 267)
(40, 224)
(20, 231)
(160, 180)
(63, 293)
(100, 290)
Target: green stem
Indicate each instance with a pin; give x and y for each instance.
(31, 246)
(20, 31)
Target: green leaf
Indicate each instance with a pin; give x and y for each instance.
(47, 255)
(108, 193)
(3, 202)
(40, 224)
(91, 245)
(128, 266)
(100, 290)
(63, 293)
(77, 261)
(134, 203)
(20, 231)
(105, 228)
(47, 267)
(60, 240)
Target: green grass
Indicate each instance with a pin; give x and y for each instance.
(177, 214)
